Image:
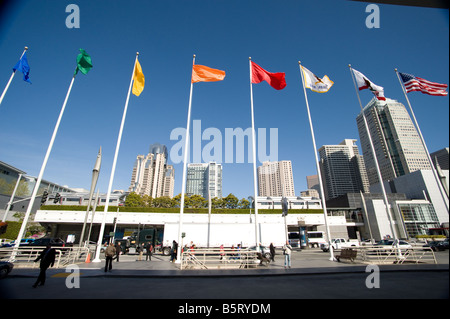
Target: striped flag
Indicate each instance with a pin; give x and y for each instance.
(414, 83)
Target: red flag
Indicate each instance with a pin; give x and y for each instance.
(275, 80)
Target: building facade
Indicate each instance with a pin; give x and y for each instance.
(312, 181)
(343, 169)
(204, 179)
(441, 157)
(276, 179)
(397, 144)
(152, 175)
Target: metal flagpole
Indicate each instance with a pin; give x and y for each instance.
(108, 194)
(41, 173)
(322, 193)
(255, 185)
(8, 206)
(209, 214)
(441, 189)
(380, 179)
(10, 79)
(183, 182)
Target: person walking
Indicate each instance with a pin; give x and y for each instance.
(47, 258)
(222, 254)
(173, 255)
(110, 251)
(149, 249)
(272, 252)
(141, 251)
(118, 250)
(287, 250)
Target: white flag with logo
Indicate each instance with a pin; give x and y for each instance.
(315, 83)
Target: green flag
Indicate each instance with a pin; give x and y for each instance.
(84, 62)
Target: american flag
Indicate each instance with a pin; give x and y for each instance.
(414, 83)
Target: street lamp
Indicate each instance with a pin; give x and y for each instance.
(252, 203)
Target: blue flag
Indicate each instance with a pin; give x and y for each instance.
(23, 67)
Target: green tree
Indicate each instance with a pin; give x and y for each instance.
(231, 201)
(244, 203)
(197, 201)
(134, 200)
(147, 200)
(217, 203)
(176, 200)
(163, 201)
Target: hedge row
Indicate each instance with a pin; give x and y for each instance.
(176, 210)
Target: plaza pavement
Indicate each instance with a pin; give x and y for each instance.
(308, 261)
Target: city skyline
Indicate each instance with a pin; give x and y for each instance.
(167, 35)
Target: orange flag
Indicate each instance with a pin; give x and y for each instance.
(201, 73)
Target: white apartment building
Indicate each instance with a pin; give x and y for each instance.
(152, 175)
(276, 179)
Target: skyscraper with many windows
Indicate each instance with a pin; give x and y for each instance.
(204, 179)
(397, 144)
(152, 175)
(343, 169)
(276, 179)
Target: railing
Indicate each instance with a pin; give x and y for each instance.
(393, 255)
(216, 258)
(26, 255)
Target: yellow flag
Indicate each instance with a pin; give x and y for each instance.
(138, 79)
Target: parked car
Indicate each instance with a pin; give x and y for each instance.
(57, 242)
(23, 242)
(389, 243)
(434, 245)
(5, 268)
(340, 243)
(445, 243)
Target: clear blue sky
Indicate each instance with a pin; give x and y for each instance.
(325, 35)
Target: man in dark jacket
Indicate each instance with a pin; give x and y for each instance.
(47, 258)
(110, 251)
(272, 252)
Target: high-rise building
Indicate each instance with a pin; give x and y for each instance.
(152, 175)
(442, 158)
(343, 169)
(397, 144)
(312, 181)
(204, 179)
(276, 179)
